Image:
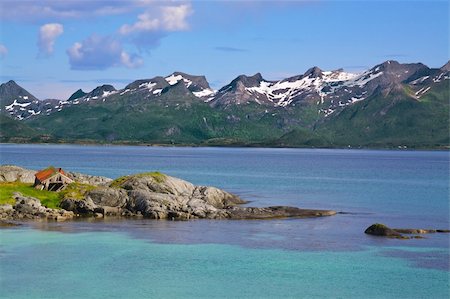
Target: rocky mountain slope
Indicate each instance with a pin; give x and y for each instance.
(382, 106)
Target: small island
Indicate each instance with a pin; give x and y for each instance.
(27, 194)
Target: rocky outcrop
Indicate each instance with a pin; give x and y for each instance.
(11, 173)
(106, 196)
(420, 231)
(378, 229)
(80, 207)
(159, 196)
(90, 179)
(152, 195)
(31, 208)
(275, 212)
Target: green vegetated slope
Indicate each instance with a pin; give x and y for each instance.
(166, 120)
(394, 120)
(381, 120)
(14, 130)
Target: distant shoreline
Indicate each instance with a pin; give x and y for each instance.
(255, 145)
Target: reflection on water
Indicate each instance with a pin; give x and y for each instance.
(341, 232)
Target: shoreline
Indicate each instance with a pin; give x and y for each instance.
(238, 146)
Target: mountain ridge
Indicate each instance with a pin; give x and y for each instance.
(236, 112)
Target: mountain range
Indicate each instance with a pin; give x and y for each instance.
(389, 105)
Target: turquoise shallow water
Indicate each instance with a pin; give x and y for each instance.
(91, 265)
(286, 258)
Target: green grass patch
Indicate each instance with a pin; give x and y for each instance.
(117, 183)
(48, 198)
(76, 191)
(156, 175)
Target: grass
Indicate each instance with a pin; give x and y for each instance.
(76, 191)
(156, 175)
(117, 183)
(49, 199)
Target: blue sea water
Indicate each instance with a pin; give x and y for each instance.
(283, 258)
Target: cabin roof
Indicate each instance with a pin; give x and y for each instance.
(48, 173)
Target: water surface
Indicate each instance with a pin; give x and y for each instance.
(321, 257)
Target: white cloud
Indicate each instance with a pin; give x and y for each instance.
(3, 51)
(145, 23)
(99, 53)
(174, 17)
(165, 18)
(133, 61)
(47, 36)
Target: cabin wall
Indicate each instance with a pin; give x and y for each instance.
(52, 181)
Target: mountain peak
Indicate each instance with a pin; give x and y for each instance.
(248, 81)
(446, 67)
(77, 94)
(390, 65)
(104, 87)
(141, 83)
(389, 62)
(313, 72)
(100, 91)
(11, 91)
(11, 82)
(193, 83)
(257, 76)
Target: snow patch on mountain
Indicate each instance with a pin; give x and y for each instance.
(108, 93)
(148, 85)
(363, 79)
(15, 103)
(283, 92)
(198, 91)
(204, 93)
(173, 79)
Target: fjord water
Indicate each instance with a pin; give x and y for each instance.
(283, 258)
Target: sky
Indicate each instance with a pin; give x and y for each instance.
(53, 47)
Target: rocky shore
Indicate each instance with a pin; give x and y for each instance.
(151, 195)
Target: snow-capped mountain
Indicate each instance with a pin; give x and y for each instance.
(150, 88)
(18, 103)
(329, 91)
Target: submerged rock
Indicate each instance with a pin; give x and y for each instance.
(378, 229)
(275, 212)
(7, 224)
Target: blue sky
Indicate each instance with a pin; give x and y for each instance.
(52, 48)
